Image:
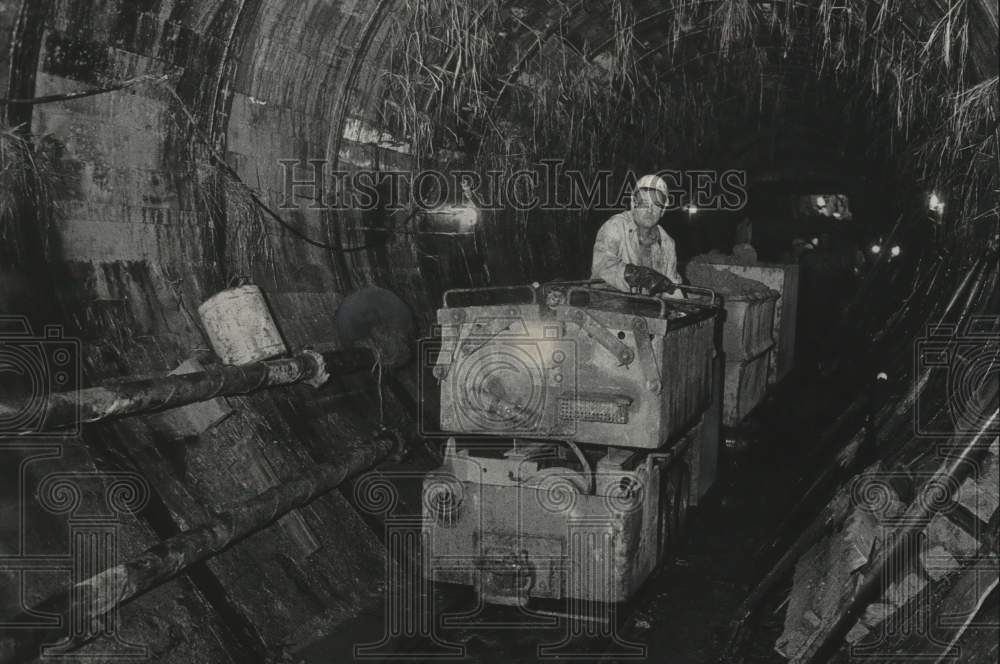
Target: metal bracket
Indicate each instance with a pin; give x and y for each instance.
(527, 288)
(650, 370)
(598, 333)
(713, 297)
(661, 459)
(451, 332)
(625, 297)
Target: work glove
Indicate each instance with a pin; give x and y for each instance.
(647, 279)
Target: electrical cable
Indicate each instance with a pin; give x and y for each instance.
(217, 158)
(70, 96)
(163, 80)
(377, 369)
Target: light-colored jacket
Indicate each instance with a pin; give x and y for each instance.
(617, 245)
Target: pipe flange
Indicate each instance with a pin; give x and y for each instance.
(321, 375)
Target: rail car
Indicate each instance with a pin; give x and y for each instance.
(578, 415)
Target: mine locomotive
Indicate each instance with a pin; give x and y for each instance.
(586, 409)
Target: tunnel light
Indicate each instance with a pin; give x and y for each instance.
(821, 201)
(936, 204)
(692, 209)
(876, 249)
(451, 219)
(896, 251)
(468, 218)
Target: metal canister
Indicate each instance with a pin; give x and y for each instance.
(240, 326)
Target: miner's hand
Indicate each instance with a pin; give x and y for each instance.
(639, 277)
(649, 280)
(663, 285)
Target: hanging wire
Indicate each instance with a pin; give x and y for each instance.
(377, 369)
(218, 158)
(70, 96)
(163, 80)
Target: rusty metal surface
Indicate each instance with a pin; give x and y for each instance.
(748, 329)
(519, 369)
(785, 280)
(744, 388)
(749, 326)
(548, 538)
(703, 455)
(63, 409)
(748, 338)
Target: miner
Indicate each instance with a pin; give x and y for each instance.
(633, 252)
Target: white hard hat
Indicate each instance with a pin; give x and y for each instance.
(653, 183)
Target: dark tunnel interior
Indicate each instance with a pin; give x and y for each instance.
(237, 238)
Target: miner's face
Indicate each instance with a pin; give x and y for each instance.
(648, 206)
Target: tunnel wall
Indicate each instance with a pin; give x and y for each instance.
(132, 249)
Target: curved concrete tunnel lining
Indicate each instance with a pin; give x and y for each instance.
(152, 308)
(284, 91)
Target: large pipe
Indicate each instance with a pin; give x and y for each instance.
(88, 601)
(60, 410)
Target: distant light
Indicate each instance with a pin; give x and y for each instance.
(936, 204)
(837, 215)
(882, 376)
(468, 218)
(896, 251)
(876, 249)
(815, 241)
(821, 201)
(692, 209)
(461, 219)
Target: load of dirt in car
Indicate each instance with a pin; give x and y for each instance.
(723, 281)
